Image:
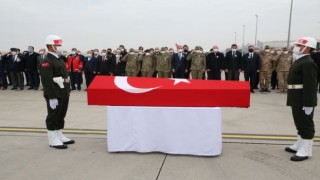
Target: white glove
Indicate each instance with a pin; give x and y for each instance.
(53, 103)
(307, 110)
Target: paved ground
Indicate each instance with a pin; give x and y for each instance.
(24, 153)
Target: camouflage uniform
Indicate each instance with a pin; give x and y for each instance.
(283, 65)
(266, 68)
(163, 64)
(148, 65)
(198, 64)
(132, 64)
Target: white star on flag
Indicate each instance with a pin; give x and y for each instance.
(177, 81)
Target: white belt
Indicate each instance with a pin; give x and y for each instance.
(295, 86)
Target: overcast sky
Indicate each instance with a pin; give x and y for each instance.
(88, 24)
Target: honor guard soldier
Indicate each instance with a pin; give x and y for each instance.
(302, 97)
(56, 90)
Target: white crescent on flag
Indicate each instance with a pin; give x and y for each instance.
(122, 83)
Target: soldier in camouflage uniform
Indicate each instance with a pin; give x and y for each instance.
(132, 63)
(283, 64)
(163, 66)
(266, 68)
(148, 64)
(198, 63)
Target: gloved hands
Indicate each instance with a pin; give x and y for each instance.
(307, 110)
(53, 103)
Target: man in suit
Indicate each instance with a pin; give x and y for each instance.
(251, 66)
(179, 64)
(89, 68)
(17, 68)
(233, 63)
(215, 64)
(31, 67)
(106, 65)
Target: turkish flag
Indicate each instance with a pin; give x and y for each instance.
(133, 91)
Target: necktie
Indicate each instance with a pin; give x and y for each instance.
(180, 56)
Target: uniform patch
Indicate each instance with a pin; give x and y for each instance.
(45, 64)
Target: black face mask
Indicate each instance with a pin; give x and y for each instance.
(185, 50)
(250, 50)
(108, 52)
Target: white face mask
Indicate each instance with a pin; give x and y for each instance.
(267, 50)
(272, 52)
(180, 50)
(117, 56)
(285, 52)
(147, 54)
(73, 52)
(162, 52)
(197, 51)
(14, 53)
(58, 49)
(296, 50)
(96, 53)
(279, 52)
(131, 53)
(89, 55)
(234, 50)
(215, 50)
(103, 54)
(41, 52)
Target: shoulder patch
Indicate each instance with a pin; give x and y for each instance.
(45, 64)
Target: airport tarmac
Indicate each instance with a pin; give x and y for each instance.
(253, 145)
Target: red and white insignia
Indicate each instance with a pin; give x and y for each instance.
(45, 64)
(302, 41)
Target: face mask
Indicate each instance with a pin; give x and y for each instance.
(14, 53)
(140, 52)
(285, 52)
(250, 50)
(147, 54)
(131, 53)
(103, 54)
(267, 50)
(109, 52)
(233, 50)
(73, 52)
(65, 53)
(57, 49)
(89, 55)
(122, 50)
(157, 50)
(96, 53)
(151, 52)
(136, 54)
(30, 50)
(186, 50)
(279, 52)
(215, 50)
(180, 50)
(296, 50)
(272, 52)
(197, 51)
(162, 52)
(117, 56)
(41, 52)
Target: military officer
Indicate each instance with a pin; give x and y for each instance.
(132, 63)
(148, 64)
(266, 68)
(163, 63)
(198, 63)
(302, 97)
(56, 89)
(283, 64)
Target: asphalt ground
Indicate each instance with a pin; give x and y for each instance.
(253, 145)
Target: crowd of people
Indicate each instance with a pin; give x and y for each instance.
(267, 68)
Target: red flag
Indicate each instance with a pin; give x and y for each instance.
(130, 91)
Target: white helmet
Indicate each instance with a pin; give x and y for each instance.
(307, 41)
(54, 40)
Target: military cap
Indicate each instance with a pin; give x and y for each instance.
(163, 49)
(13, 49)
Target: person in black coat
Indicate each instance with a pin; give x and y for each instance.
(316, 58)
(3, 79)
(89, 68)
(214, 64)
(179, 64)
(31, 63)
(251, 66)
(17, 67)
(233, 63)
(107, 64)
